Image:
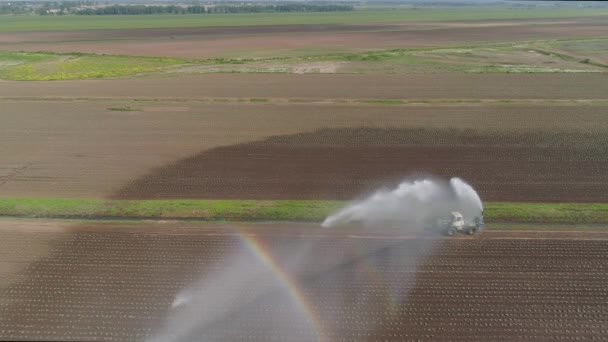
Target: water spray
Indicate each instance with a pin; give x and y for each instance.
(411, 204)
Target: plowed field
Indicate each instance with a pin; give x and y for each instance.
(327, 86)
(289, 150)
(344, 163)
(298, 283)
(278, 40)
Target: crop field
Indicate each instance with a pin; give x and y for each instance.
(292, 41)
(344, 163)
(299, 150)
(93, 281)
(75, 23)
(593, 48)
(538, 57)
(279, 41)
(133, 149)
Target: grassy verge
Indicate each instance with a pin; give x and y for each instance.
(274, 210)
(200, 209)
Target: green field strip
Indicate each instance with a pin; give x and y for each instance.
(76, 22)
(279, 210)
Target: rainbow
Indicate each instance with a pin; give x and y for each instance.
(262, 252)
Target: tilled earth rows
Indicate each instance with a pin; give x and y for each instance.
(300, 283)
(346, 163)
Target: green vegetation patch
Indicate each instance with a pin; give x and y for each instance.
(23, 66)
(200, 209)
(288, 210)
(74, 22)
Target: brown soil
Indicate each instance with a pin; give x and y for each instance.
(80, 149)
(326, 86)
(118, 282)
(346, 163)
(111, 34)
(227, 41)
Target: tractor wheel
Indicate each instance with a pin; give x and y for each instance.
(450, 231)
(472, 231)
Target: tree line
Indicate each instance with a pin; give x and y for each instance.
(93, 7)
(200, 9)
(14, 8)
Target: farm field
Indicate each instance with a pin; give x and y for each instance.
(576, 46)
(456, 87)
(180, 167)
(167, 134)
(522, 58)
(116, 148)
(124, 281)
(297, 40)
(75, 23)
(512, 44)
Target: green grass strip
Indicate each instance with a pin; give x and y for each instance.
(199, 209)
(77, 22)
(274, 210)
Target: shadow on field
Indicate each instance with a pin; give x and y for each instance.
(345, 163)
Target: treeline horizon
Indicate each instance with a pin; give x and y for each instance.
(202, 9)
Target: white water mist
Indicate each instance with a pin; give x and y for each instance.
(264, 291)
(412, 202)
